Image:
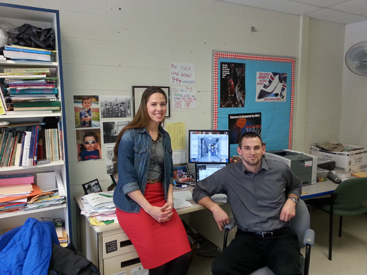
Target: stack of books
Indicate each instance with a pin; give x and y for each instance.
(29, 90)
(15, 191)
(15, 52)
(24, 144)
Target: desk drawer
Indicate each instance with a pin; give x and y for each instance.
(127, 264)
(116, 245)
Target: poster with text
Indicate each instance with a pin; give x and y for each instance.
(183, 97)
(271, 86)
(182, 74)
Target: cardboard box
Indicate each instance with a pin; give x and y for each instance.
(351, 161)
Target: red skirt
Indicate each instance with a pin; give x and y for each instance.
(156, 243)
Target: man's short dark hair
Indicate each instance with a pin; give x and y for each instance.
(249, 135)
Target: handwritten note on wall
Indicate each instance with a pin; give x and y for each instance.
(183, 97)
(182, 74)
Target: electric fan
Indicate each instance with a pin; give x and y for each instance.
(356, 58)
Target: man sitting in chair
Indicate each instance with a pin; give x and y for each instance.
(263, 195)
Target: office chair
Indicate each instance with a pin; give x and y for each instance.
(347, 200)
(299, 224)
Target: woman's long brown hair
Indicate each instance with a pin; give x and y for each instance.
(140, 120)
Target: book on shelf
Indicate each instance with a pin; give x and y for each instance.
(31, 98)
(28, 71)
(26, 145)
(37, 106)
(35, 146)
(21, 55)
(5, 140)
(31, 145)
(48, 82)
(15, 179)
(18, 48)
(30, 112)
(36, 191)
(30, 91)
(22, 76)
(3, 108)
(61, 139)
(22, 149)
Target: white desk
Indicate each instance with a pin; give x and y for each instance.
(318, 189)
(110, 249)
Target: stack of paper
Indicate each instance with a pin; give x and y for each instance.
(99, 206)
(181, 199)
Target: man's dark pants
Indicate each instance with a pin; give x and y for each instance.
(248, 252)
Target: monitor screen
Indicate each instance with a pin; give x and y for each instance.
(206, 146)
(205, 170)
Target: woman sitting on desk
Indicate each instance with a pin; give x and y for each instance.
(144, 191)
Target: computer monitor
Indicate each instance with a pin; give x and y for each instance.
(208, 146)
(204, 170)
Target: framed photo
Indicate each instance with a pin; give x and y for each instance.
(92, 187)
(114, 177)
(138, 92)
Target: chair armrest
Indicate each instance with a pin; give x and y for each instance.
(232, 223)
(309, 237)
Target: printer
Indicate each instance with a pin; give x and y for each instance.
(303, 165)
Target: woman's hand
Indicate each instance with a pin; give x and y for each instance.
(161, 214)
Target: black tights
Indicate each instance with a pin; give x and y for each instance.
(178, 266)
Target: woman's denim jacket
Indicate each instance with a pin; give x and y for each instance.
(133, 166)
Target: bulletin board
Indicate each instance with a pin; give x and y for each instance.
(254, 93)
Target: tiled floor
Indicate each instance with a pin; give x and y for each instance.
(349, 251)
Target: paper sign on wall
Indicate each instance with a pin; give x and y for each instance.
(184, 97)
(182, 74)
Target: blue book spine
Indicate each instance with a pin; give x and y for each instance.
(35, 146)
(14, 91)
(26, 50)
(31, 146)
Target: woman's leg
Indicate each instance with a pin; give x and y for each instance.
(180, 265)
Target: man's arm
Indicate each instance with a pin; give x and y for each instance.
(220, 216)
(294, 186)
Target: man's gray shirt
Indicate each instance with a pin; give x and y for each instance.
(257, 198)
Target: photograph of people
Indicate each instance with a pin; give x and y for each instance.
(115, 106)
(111, 129)
(144, 191)
(86, 109)
(263, 194)
(88, 147)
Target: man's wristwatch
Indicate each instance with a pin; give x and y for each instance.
(293, 199)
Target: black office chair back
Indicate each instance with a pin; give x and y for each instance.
(350, 194)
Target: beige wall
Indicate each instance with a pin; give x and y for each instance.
(109, 46)
(354, 96)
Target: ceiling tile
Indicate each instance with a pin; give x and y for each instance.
(354, 6)
(285, 6)
(336, 16)
(321, 3)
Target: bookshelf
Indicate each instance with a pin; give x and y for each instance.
(42, 18)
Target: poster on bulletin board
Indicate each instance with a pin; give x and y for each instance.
(254, 93)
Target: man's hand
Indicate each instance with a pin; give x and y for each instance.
(288, 211)
(220, 217)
